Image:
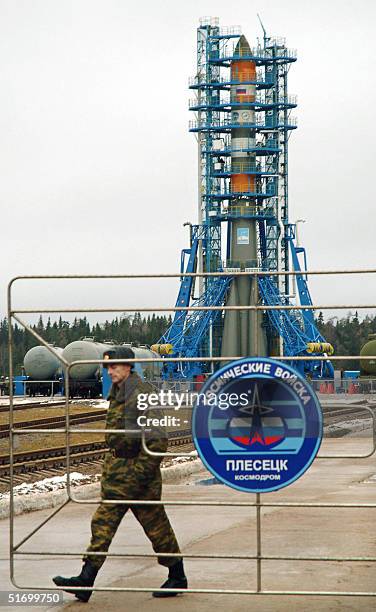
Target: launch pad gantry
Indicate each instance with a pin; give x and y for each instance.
(243, 123)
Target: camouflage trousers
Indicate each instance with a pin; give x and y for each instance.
(118, 482)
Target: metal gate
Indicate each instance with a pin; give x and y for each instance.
(257, 500)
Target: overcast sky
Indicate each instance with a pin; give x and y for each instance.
(99, 172)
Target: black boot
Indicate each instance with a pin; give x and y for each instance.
(85, 579)
(176, 580)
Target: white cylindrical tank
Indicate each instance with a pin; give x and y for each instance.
(87, 348)
(41, 364)
(81, 350)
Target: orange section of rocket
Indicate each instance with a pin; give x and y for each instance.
(241, 183)
(242, 92)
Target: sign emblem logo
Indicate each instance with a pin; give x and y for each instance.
(257, 425)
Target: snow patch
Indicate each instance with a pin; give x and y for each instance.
(99, 403)
(192, 455)
(51, 484)
(51, 492)
(17, 401)
(345, 427)
(76, 478)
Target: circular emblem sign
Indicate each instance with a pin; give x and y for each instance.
(257, 425)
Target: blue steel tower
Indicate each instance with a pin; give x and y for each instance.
(242, 123)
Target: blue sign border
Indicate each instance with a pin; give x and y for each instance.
(200, 413)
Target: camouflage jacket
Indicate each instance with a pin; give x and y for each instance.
(123, 413)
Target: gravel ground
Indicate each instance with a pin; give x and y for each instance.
(46, 411)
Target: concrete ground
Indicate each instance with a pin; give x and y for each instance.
(227, 530)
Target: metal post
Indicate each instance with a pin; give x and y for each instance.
(200, 266)
(297, 244)
(11, 494)
(211, 344)
(67, 434)
(258, 536)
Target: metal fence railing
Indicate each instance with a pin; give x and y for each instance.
(258, 503)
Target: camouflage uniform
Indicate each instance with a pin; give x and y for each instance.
(137, 476)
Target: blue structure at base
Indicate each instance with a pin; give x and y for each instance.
(106, 383)
(19, 385)
(351, 374)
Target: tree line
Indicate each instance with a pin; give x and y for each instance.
(133, 328)
(347, 334)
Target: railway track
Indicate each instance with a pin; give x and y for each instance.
(55, 421)
(48, 460)
(345, 412)
(339, 420)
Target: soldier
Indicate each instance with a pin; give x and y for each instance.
(129, 473)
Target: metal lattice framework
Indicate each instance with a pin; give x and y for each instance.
(187, 332)
(266, 201)
(296, 328)
(214, 111)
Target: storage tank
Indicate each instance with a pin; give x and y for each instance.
(81, 350)
(368, 366)
(87, 348)
(41, 364)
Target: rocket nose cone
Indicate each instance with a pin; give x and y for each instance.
(242, 47)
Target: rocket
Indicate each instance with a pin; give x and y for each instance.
(243, 334)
